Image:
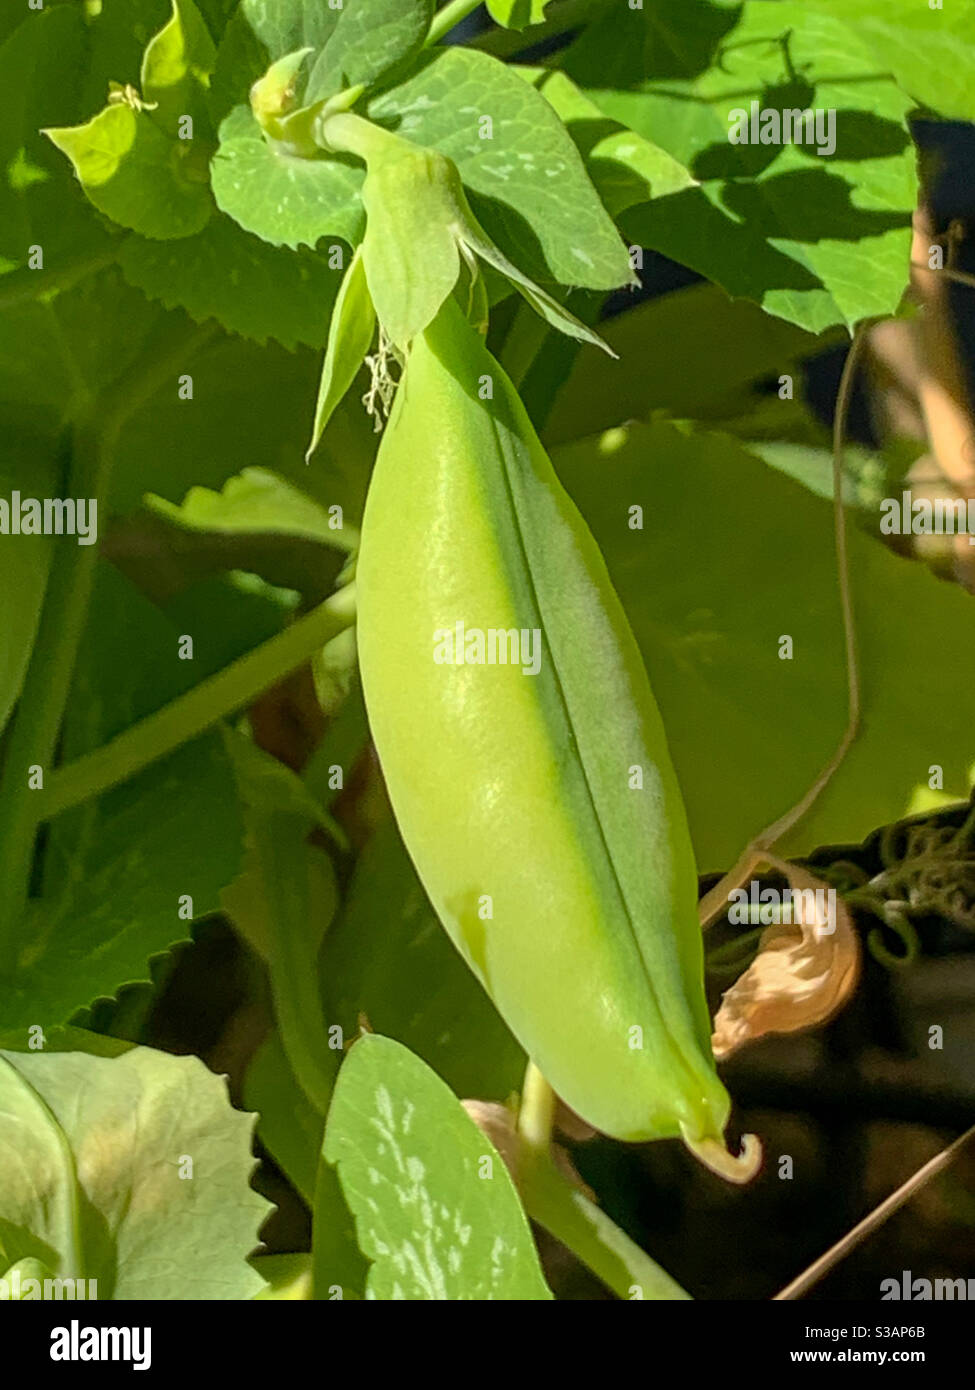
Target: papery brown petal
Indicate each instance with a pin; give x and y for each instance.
(498, 1123)
(803, 973)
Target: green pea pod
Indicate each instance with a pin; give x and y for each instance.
(530, 777)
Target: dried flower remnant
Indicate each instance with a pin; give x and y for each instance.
(805, 971)
(500, 1125)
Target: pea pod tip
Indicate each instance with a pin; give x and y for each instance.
(738, 1168)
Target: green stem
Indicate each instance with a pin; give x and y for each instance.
(343, 132)
(778, 828)
(34, 733)
(40, 710)
(198, 710)
(23, 286)
(816, 1271)
(536, 1114)
(448, 18)
(568, 1215)
(733, 953)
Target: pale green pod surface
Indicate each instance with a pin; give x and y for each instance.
(571, 894)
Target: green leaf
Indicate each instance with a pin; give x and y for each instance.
(667, 42)
(517, 14)
(340, 1270)
(693, 352)
(118, 31)
(334, 672)
(116, 868)
(287, 25)
(929, 50)
(340, 748)
(256, 502)
(223, 272)
(387, 957)
(288, 1276)
(350, 334)
(176, 69)
(258, 523)
(625, 168)
(280, 197)
(288, 1124)
(242, 59)
(419, 227)
(40, 1200)
(371, 38)
(132, 1171)
(864, 473)
(64, 1038)
(736, 555)
(818, 240)
(270, 788)
(544, 304)
(217, 14)
(56, 354)
(283, 900)
(25, 1278)
(136, 175)
(435, 1208)
(170, 445)
(238, 610)
(41, 71)
(253, 581)
(528, 185)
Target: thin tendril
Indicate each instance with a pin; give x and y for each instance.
(778, 828)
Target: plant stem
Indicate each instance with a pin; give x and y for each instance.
(200, 708)
(568, 1215)
(821, 1267)
(40, 710)
(34, 733)
(23, 286)
(536, 1115)
(343, 132)
(960, 277)
(714, 902)
(778, 828)
(448, 18)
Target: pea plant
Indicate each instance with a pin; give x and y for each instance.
(443, 643)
